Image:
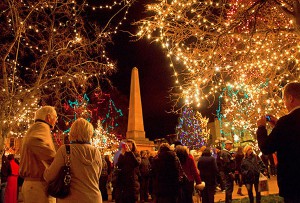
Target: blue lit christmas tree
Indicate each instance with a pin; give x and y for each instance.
(192, 129)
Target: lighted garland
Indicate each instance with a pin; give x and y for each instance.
(51, 51)
(242, 51)
(105, 141)
(211, 43)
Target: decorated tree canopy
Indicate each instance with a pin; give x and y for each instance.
(244, 51)
(98, 108)
(50, 51)
(192, 129)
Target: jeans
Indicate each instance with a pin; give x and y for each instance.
(250, 192)
(228, 179)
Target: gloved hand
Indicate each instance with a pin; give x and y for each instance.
(200, 186)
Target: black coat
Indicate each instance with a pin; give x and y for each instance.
(251, 167)
(285, 140)
(227, 162)
(166, 170)
(129, 165)
(208, 170)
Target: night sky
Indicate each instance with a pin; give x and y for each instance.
(155, 75)
(155, 81)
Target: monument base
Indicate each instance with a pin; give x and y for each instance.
(145, 144)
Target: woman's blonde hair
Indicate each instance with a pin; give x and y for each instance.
(44, 111)
(81, 130)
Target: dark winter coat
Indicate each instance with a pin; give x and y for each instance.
(238, 161)
(208, 170)
(166, 170)
(145, 167)
(251, 167)
(285, 140)
(227, 162)
(129, 178)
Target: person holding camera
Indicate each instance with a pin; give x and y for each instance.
(228, 168)
(129, 161)
(285, 140)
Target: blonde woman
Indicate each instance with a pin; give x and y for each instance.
(251, 167)
(86, 165)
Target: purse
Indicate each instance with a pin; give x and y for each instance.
(60, 186)
(263, 183)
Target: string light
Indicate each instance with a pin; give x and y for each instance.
(53, 54)
(243, 46)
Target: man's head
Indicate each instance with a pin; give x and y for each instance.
(291, 95)
(228, 144)
(47, 114)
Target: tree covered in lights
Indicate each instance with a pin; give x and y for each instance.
(250, 46)
(104, 140)
(192, 129)
(93, 107)
(51, 49)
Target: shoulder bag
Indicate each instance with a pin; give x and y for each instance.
(60, 186)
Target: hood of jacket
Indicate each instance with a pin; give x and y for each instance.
(85, 153)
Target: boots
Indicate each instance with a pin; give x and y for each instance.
(239, 192)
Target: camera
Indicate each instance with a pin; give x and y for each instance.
(268, 118)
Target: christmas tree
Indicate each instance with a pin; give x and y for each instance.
(192, 129)
(105, 141)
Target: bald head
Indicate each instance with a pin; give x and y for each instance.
(291, 95)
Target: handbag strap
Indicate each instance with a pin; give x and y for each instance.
(67, 178)
(68, 149)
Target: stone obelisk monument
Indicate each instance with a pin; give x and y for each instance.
(135, 128)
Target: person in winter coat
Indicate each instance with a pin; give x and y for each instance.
(166, 172)
(239, 156)
(86, 165)
(129, 161)
(37, 153)
(251, 167)
(207, 166)
(190, 170)
(103, 179)
(145, 169)
(5, 171)
(11, 191)
(228, 168)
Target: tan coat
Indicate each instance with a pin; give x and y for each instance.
(86, 166)
(37, 147)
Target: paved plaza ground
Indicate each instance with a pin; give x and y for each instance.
(273, 190)
(270, 197)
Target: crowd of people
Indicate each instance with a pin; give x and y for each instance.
(172, 175)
